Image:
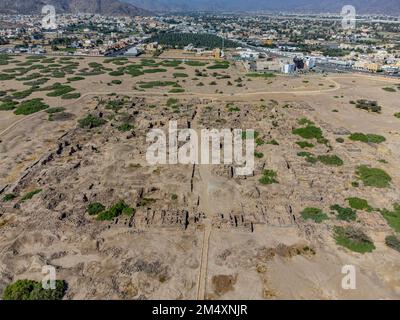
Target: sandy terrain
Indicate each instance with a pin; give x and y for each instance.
(205, 234)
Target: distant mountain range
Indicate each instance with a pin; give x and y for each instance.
(391, 7)
(104, 7)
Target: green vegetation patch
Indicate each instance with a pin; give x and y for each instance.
(9, 197)
(125, 127)
(353, 239)
(195, 63)
(33, 290)
(75, 78)
(115, 211)
(308, 156)
(373, 177)
(304, 144)
(69, 96)
(393, 242)
(370, 106)
(30, 195)
(397, 115)
(330, 160)
(367, 138)
(392, 217)
(30, 106)
(55, 110)
(315, 214)
(264, 75)
(59, 90)
(346, 214)
(95, 208)
(155, 84)
(180, 75)
(8, 105)
(359, 204)
(389, 89)
(91, 121)
(268, 177)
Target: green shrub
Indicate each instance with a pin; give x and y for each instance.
(373, 177)
(125, 127)
(273, 142)
(30, 195)
(75, 79)
(397, 115)
(180, 75)
(374, 138)
(196, 63)
(339, 140)
(371, 106)
(359, 204)
(176, 90)
(8, 105)
(269, 177)
(305, 122)
(69, 96)
(115, 211)
(309, 156)
(393, 242)
(392, 217)
(55, 110)
(331, 160)
(9, 197)
(95, 208)
(30, 106)
(91, 121)
(304, 144)
(33, 290)
(116, 81)
(261, 75)
(346, 214)
(314, 214)
(353, 239)
(258, 155)
(389, 89)
(309, 132)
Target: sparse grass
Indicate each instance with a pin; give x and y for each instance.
(354, 240)
(315, 214)
(373, 177)
(346, 214)
(359, 204)
(269, 177)
(30, 195)
(146, 201)
(331, 160)
(367, 138)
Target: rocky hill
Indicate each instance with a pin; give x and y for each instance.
(109, 7)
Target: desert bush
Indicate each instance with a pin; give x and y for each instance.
(346, 214)
(373, 177)
(366, 138)
(353, 239)
(95, 208)
(33, 290)
(30, 106)
(91, 121)
(331, 160)
(268, 177)
(393, 242)
(315, 214)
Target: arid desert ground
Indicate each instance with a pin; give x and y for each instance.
(323, 193)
